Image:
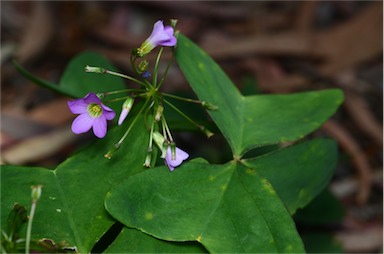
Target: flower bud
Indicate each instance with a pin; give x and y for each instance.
(173, 22)
(159, 112)
(127, 105)
(148, 159)
(206, 131)
(36, 192)
(111, 151)
(143, 66)
(159, 140)
(209, 106)
(94, 69)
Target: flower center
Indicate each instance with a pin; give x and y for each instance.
(95, 110)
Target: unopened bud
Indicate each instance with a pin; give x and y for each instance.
(159, 112)
(173, 22)
(159, 140)
(94, 69)
(143, 66)
(110, 153)
(148, 158)
(209, 106)
(206, 131)
(36, 192)
(127, 105)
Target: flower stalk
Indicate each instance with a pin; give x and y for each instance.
(35, 195)
(207, 132)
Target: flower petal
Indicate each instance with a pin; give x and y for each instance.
(78, 106)
(169, 30)
(161, 35)
(169, 43)
(92, 98)
(100, 126)
(171, 40)
(179, 158)
(82, 123)
(123, 115)
(181, 154)
(170, 167)
(158, 27)
(108, 112)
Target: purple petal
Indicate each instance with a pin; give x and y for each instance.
(78, 106)
(170, 167)
(123, 115)
(158, 27)
(162, 35)
(92, 98)
(181, 154)
(82, 123)
(100, 126)
(179, 158)
(108, 112)
(169, 43)
(169, 30)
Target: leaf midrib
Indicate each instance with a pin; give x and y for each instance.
(239, 152)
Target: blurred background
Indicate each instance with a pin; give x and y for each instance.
(264, 46)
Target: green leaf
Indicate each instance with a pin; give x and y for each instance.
(71, 207)
(298, 173)
(75, 82)
(132, 240)
(78, 82)
(251, 121)
(227, 208)
(43, 83)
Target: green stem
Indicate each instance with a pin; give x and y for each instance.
(146, 113)
(155, 69)
(163, 126)
(166, 130)
(121, 98)
(181, 98)
(29, 228)
(132, 124)
(133, 60)
(126, 77)
(151, 134)
(165, 74)
(123, 91)
(200, 127)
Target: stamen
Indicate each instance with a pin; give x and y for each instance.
(95, 110)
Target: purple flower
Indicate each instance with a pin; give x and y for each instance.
(92, 114)
(161, 36)
(180, 156)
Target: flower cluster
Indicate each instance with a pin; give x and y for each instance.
(92, 113)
